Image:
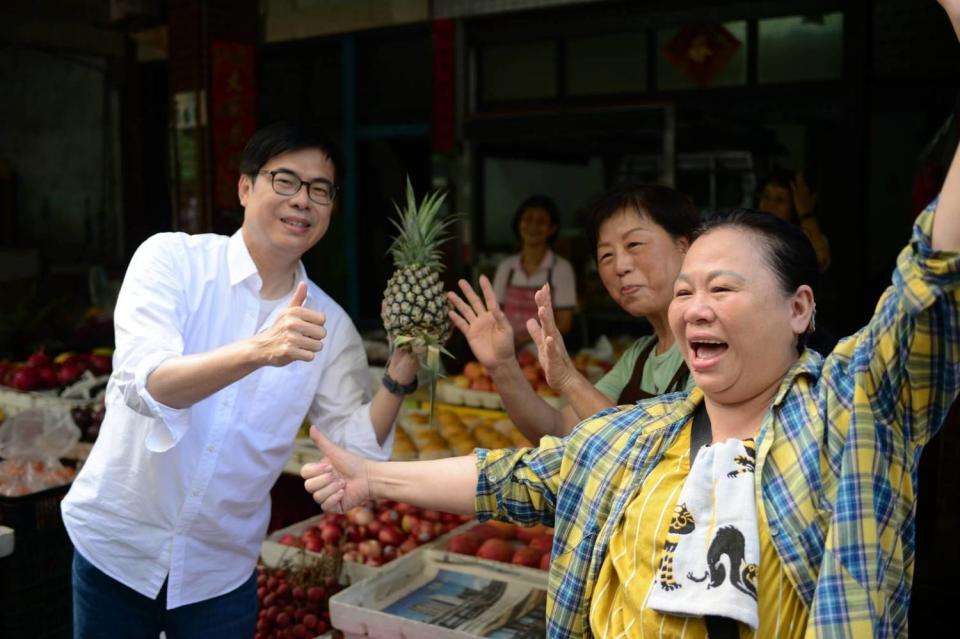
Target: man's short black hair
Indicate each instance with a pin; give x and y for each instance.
(284, 137)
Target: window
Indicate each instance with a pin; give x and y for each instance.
(524, 71)
(733, 47)
(607, 64)
(800, 48)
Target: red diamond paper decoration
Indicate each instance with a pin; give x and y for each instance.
(700, 51)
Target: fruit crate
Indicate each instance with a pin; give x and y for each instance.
(434, 594)
(273, 553)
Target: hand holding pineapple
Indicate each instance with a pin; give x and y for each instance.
(558, 369)
(403, 366)
(296, 335)
(486, 328)
(414, 311)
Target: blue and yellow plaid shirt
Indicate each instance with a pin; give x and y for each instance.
(836, 469)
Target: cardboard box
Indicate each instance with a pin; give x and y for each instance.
(434, 594)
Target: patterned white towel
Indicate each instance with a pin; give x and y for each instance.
(710, 558)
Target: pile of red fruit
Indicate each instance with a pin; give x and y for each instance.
(374, 534)
(43, 372)
(293, 603)
(507, 543)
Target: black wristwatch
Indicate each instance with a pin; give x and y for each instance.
(396, 387)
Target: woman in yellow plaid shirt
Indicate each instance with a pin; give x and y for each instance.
(826, 447)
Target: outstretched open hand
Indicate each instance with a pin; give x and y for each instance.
(339, 481)
(483, 324)
(557, 366)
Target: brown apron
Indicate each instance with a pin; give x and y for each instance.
(632, 393)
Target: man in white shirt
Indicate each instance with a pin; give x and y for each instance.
(223, 345)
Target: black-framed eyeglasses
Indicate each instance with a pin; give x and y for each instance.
(287, 183)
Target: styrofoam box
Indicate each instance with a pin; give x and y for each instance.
(448, 393)
(272, 553)
(358, 611)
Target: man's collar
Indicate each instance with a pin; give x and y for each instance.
(242, 267)
(239, 261)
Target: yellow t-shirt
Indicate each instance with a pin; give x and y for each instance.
(618, 607)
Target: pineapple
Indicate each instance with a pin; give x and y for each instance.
(414, 310)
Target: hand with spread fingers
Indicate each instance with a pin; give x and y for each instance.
(557, 366)
(296, 334)
(483, 324)
(339, 481)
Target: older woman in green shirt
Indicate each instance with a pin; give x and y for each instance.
(641, 232)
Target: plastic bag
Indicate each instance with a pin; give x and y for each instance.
(31, 445)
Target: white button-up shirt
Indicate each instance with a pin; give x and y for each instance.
(184, 494)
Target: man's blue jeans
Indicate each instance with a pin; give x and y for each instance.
(103, 608)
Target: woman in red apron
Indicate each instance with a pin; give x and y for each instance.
(520, 276)
(641, 233)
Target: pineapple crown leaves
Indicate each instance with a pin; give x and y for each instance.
(421, 231)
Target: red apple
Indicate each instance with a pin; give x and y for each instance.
(330, 534)
(334, 518)
(423, 532)
(39, 358)
(408, 544)
(504, 529)
(360, 515)
(542, 543)
(313, 544)
(430, 515)
(526, 534)
(26, 378)
(291, 540)
(529, 557)
(69, 372)
(526, 358)
(389, 516)
(545, 561)
(374, 528)
(370, 549)
(101, 364)
(407, 509)
(496, 550)
(390, 536)
(48, 376)
(465, 544)
(353, 533)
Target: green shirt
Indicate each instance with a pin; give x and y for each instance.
(658, 370)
